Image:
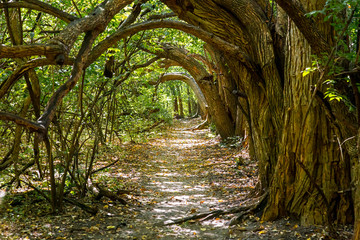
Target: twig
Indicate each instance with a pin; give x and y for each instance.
(105, 167)
(84, 207)
(211, 214)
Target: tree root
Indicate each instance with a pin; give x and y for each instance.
(243, 210)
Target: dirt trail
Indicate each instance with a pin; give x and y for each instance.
(184, 172)
(176, 174)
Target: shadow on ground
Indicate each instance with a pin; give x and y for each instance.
(177, 174)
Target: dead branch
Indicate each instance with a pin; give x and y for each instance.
(31, 163)
(202, 125)
(100, 192)
(84, 207)
(105, 167)
(243, 210)
(152, 126)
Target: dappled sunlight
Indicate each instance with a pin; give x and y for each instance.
(184, 174)
(180, 143)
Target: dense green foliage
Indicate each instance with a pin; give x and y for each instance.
(100, 111)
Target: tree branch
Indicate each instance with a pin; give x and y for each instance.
(306, 26)
(210, 38)
(76, 72)
(40, 6)
(20, 71)
(20, 51)
(97, 20)
(189, 81)
(33, 126)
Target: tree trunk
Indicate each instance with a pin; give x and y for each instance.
(313, 144)
(300, 164)
(175, 100)
(181, 105)
(189, 99)
(207, 83)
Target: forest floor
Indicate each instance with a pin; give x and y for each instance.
(179, 173)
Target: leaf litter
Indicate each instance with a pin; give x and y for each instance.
(177, 174)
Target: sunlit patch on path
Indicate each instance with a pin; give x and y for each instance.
(188, 173)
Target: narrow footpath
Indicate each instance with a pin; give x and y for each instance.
(178, 173)
(183, 173)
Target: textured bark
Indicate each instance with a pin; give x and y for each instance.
(277, 98)
(262, 83)
(307, 26)
(356, 179)
(292, 190)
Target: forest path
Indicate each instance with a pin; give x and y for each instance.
(175, 174)
(183, 173)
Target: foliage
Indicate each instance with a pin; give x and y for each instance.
(344, 18)
(99, 111)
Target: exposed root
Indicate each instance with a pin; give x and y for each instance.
(242, 210)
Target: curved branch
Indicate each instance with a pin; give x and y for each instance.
(40, 6)
(205, 81)
(95, 21)
(192, 83)
(210, 38)
(133, 68)
(19, 72)
(20, 51)
(33, 126)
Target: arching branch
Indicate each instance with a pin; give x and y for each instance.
(42, 7)
(205, 81)
(97, 20)
(61, 45)
(189, 81)
(210, 38)
(20, 71)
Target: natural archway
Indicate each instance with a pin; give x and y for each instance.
(287, 69)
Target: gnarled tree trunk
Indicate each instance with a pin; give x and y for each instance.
(300, 164)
